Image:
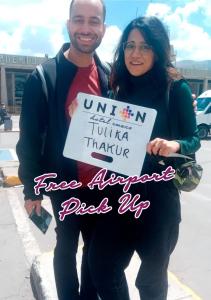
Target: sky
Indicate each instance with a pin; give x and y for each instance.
(38, 27)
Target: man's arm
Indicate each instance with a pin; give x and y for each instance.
(32, 127)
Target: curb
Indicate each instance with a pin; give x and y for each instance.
(44, 283)
(42, 279)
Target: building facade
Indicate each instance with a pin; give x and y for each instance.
(199, 80)
(15, 69)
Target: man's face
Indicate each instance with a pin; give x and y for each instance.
(86, 26)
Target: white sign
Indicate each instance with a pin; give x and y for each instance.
(109, 134)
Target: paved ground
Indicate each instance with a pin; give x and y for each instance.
(20, 255)
(14, 267)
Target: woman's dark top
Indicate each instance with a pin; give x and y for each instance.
(175, 121)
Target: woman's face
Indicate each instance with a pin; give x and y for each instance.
(139, 56)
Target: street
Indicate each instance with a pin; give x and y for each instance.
(190, 261)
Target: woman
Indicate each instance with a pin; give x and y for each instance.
(142, 74)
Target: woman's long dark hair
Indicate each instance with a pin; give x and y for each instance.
(156, 36)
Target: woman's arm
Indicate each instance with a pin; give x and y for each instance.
(183, 124)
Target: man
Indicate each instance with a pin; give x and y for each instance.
(3, 114)
(43, 130)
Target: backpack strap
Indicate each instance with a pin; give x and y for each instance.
(40, 71)
(107, 67)
(167, 102)
(47, 73)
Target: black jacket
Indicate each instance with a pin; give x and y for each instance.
(43, 125)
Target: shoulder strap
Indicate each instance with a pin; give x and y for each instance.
(167, 101)
(47, 73)
(107, 67)
(178, 155)
(40, 71)
(168, 94)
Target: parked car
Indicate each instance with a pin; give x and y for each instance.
(203, 114)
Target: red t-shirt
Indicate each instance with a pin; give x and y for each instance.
(86, 81)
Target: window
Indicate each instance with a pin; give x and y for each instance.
(20, 79)
(209, 110)
(202, 103)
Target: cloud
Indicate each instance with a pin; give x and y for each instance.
(56, 40)
(190, 8)
(32, 27)
(35, 13)
(190, 41)
(158, 9)
(36, 27)
(11, 43)
(23, 32)
(109, 43)
(207, 13)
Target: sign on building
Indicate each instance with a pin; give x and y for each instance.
(10, 59)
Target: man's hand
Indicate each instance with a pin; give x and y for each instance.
(162, 147)
(30, 205)
(72, 108)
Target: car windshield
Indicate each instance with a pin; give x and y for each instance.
(202, 103)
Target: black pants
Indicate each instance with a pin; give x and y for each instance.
(67, 234)
(115, 239)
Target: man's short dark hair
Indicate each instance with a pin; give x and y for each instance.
(103, 4)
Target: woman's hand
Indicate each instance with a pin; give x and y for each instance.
(162, 147)
(72, 108)
(194, 102)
